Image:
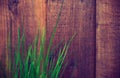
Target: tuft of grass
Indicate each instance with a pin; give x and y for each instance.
(37, 63)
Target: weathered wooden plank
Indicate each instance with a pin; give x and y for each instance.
(3, 29)
(3, 35)
(30, 13)
(14, 13)
(27, 12)
(108, 39)
(77, 16)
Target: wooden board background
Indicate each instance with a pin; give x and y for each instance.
(108, 39)
(95, 51)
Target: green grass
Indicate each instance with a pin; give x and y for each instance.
(38, 62)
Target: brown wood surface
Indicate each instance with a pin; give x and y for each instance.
(94, 53)
(77, 16)
(3, 29)
(108, 39)
(3, 35)
(14, 13)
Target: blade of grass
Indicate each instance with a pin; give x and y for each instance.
(51, 39)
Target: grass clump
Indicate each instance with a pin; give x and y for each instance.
(38, 62)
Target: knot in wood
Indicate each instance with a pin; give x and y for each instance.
(13, 5)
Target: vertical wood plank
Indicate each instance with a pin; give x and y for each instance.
(108, 39)
(15, 12)
(77, 16)
(31, 13)
(3, 28)
(3, 35)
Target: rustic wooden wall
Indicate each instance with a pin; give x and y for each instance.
(94, 52)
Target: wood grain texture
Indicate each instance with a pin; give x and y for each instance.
(29, 14)
(94, 53)
(3, 29)
(108, 39)
(77, 16)
(3, 35)
(14, 13)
